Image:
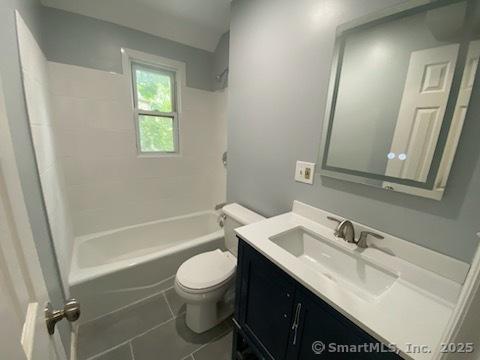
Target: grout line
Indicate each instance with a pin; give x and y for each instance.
(125, 307)
(125, 342)
(180, 313)
(168, 304)
(130, 341)
(93, 357)
(149, 330)
(192, 354)
(131, 350)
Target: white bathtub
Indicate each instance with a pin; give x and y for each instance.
(113, 269)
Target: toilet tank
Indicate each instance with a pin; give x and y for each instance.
(236, 216)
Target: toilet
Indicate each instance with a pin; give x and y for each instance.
(206, 281)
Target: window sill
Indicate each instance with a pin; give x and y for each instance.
(158, 155)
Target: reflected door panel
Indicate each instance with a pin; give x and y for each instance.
(421, 113)
(468, 78)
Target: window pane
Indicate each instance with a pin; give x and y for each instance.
(154, 90)
(156, 134)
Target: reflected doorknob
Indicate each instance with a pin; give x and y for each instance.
(71, 312)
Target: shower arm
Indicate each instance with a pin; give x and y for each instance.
(219, 76)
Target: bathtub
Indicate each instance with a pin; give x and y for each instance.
(113, 269)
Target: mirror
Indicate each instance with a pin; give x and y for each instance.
(400, 87)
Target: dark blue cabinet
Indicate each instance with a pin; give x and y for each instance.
(281, 319)
(264, 307)
(323, 333)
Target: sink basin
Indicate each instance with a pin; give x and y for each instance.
(347, 268)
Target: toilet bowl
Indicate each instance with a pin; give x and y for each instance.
(202, 281)
(206, 281)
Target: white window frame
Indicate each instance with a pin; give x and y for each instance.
(139, 112)
(173, 68)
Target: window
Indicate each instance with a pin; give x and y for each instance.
(155, 109)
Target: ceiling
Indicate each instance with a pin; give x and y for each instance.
(198, 23)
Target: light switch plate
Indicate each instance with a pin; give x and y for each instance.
(304, 172)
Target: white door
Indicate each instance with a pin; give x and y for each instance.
(23, 294)
(471, 65)
(425, 96)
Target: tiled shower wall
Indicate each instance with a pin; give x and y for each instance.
(38, 99)
(92, 178)
(108, 184)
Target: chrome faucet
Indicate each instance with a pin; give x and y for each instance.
(344, 230)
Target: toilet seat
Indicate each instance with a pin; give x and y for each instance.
(206, 271)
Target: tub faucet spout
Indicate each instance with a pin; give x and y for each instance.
(221, 220)
(220, 206)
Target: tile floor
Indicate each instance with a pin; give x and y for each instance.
(154, 329)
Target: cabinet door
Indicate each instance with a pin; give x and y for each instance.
(320, 326)
(264, 304)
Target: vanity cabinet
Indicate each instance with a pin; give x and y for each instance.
(264, 307)
(280, 319)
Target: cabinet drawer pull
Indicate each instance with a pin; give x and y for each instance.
(296, 321)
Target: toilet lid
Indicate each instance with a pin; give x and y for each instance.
(207, 270)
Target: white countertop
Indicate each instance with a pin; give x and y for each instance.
(415, 310)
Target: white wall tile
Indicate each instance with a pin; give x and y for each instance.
(80, 82)
(43, 141)
(49, 181)
(108, 185)
(110, 115)
(71, 113)
(37, 101)
(32, 59)
(65, 140)
(110, 218)
(37, 95)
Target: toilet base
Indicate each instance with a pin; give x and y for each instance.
(203, 317)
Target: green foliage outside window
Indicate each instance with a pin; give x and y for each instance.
(156, 134)
(154, 93)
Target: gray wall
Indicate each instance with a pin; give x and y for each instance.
(220, 62)
(280, 56)
(10, 72)
(84, 41)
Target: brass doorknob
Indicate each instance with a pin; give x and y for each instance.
(71, 312)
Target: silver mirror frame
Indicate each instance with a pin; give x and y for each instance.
(435, 193)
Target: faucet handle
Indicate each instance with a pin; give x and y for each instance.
(334, 219)
(375, 235)
(362, 240)
(336, 232)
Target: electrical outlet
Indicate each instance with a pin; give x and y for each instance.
(304, 172)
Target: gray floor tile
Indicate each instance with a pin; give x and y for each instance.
(174, 340)
(105, 333)
(175, 301)
(122, 352)
(219, 349)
